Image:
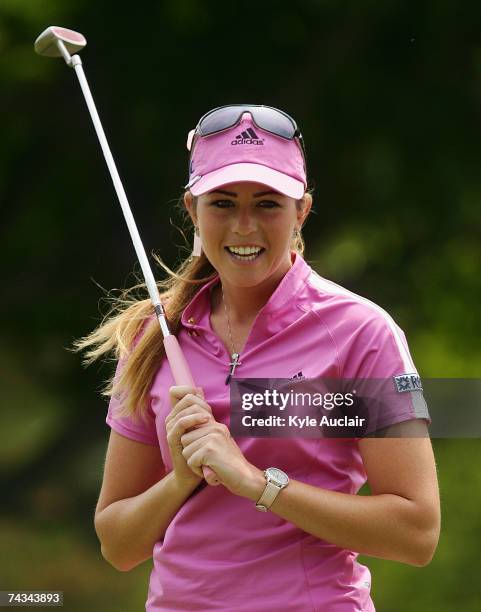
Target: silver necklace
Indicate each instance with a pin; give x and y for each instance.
(235, 356)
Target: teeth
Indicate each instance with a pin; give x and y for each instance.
(244, 250)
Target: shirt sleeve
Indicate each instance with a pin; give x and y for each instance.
(134, 427)
(379, 362)
(142, 429)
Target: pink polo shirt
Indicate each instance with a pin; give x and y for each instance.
(219, 552)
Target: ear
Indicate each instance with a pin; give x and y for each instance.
(189, 205)
(306, 204)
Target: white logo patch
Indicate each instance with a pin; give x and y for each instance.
(408, 382)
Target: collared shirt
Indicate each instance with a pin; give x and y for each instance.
(219, 552)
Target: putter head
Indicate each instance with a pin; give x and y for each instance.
(46, 43)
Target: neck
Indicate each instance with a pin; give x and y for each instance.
(243, 303)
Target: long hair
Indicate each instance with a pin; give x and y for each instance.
(130, 333)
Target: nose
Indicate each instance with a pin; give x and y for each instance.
(244, 222)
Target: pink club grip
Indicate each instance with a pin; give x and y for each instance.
(177, 362)
(182, 376)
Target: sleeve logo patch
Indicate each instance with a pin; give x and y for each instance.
(408, 382)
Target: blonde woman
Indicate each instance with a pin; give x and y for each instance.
(283, 529)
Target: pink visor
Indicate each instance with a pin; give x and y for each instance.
(247, 153)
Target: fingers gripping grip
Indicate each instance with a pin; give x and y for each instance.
(182, 376)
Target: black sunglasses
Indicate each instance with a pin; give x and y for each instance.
(266, 118)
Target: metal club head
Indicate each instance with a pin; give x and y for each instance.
(48, 41)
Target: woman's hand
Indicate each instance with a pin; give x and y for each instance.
(189, 412)
(213, 446)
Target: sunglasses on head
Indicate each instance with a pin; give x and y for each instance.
(266, 118)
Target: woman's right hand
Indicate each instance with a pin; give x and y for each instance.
(189, 411)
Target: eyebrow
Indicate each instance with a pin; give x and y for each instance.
(256, 195)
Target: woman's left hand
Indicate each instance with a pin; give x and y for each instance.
(213, 446)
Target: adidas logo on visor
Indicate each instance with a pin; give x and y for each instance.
(247, 137)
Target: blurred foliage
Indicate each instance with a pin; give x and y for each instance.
(388, 97)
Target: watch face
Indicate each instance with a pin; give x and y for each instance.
(277, 476)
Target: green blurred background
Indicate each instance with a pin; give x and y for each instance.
(388, 96)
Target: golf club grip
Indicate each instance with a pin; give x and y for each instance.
(180, 368)
(183, 376)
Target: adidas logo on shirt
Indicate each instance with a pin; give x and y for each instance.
(298, 376)
(247, 137)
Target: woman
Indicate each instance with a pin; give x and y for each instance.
(247, 305)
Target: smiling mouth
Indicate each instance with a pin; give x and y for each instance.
(244, 257)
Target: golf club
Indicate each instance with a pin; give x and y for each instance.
(56, 41)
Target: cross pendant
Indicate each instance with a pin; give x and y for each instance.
(233, 365)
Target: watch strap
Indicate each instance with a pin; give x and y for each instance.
(268, 496)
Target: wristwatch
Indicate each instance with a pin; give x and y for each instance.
(276, 481)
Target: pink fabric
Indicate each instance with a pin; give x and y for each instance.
(229, 157)
(219, 552)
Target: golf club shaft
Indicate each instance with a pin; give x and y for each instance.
(139, 248)
(177, 361)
